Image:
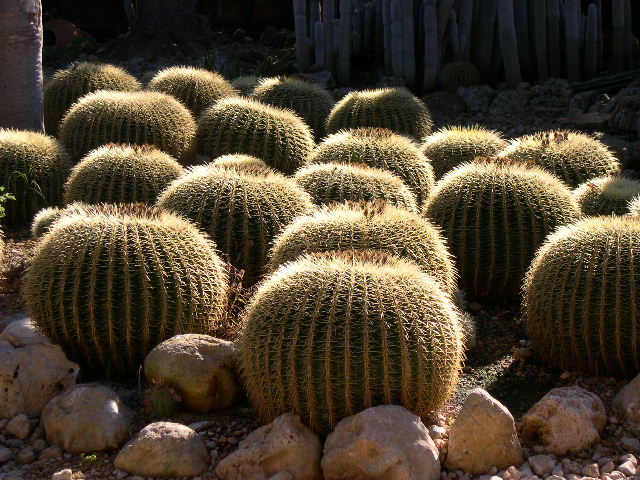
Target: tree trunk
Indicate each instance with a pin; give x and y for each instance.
(21, 65)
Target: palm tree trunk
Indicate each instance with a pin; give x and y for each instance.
(21, 65)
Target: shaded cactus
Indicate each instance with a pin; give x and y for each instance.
(67, 86)
(121, 174)
(573, 157)
(379, 148)
(607, 195)
(581, 297)
(459, 74)
(367, 226)
(332, 334)
(45, 218)
(309, 100)
(196, 88)
(161, 401)
(110, 287)
(495, 217)
(449, 147)
(236, 162)
(394, 108)
(137, 118)
(33, 168)
(239, 125)
(241, 210)
(246, 83)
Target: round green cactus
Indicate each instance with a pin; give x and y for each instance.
(67, 86)
(194, 87)
(246, 83)
(379, 148)
(367, 226)
(33, 168)
(394, 108)
(239, 125)
(495, 217)
(573, 157)
(607, 195)
(449, 147)
(582, 300)
(110, 287)
(239, 162)
(332, 334)
(459, 74)
(121, 174)
(336, 183)
(136, 118)
(241, 210)
(309, 100)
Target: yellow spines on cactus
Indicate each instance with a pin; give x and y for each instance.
(246, 83)
(240, 162)
(607, 195)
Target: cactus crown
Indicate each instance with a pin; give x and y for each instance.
(607, 195)
(194, 87)
(239, 125)
(581, 297)
(137, 118)
(573, 157)
(314, 333)
(449, 147)
(495, 217)
(246, 83)
(459, 74)
(121, 174)
(242, 162)
(67, 86)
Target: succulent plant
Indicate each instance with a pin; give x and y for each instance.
(379, 148)
(336, 183)
(239, 162)
(241, 210)
(607, 195)
(581, 297)
(573, 157)
(109, 287)
(495, 217)
(459, 74)
(449, 147)
(246, 83)
(394, 108)
(194, 87)
(239, 125)
(33, 168)
(633, 208)
(67, 86)
(334, 333)
(309, 100)
(161, 401)
(136, 118)
(121, 174)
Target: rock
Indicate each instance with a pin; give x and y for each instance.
(202, 370)
(477, 98)
(284, 475)
(445, 102)
(283, 445)
(14, 475)
(589, 120)
(390, 82)
(19, 426)
(5, 454)
(566, 419)
(509, 101)
(164, 449)
(629, 458)
(200, 426)
(89, 418)
(602, 103)
(31, 375)
(626, 404)
(591, 470)
(542, 464)
(323, 78)
(553, 95)
(626, 112)
(436, 431)
(22, 328)
(512, 473)
(39, 445)
(381, 443)
(580, 103)
(483, 435)
(53, 451)
(65, 474)
(628, 468)
(26, 455)
(630, 444)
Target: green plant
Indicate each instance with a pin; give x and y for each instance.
(194, 87)
(607, 195)
(4, 198)
(161, 401)
(459, 74)
(236, 162)
(239, 125)
(110, 287)
(91, 459)
(495, 217)
(449, 147)
(334, 333)
(33, 168)
(67, 86)
(581, 297)
(121, 174)
(246, 83)
(336, 183)
(394, 108)
(379, 148)
(241, 210)
(573, 157)
(309, 100)
(136, 118)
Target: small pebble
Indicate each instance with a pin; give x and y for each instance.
(5, 454)
(591, 470)
(628, 468)
(65, 474)
(25, 456)
(19, 426)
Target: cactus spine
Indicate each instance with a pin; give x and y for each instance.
(606, 195)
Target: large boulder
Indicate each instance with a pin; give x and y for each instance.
(381, 443)
(284, 445)
(89, 418)
(483, 436)
(627, 404)
(565, 420)
(202, 370)
(164, 450)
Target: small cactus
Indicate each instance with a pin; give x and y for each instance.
(47, 217)
(607, 195)
(236, 162)
(246, 83)
(161, 401)
(633, 207)
(459, 74)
